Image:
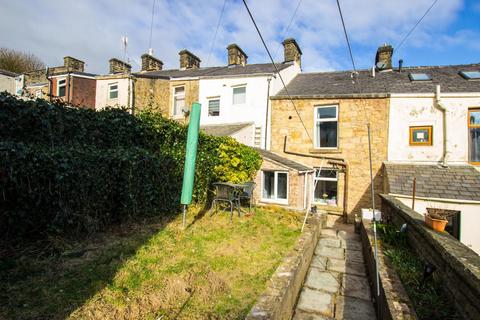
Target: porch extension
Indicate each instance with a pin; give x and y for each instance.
(336, 285)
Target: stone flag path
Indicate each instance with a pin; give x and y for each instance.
(336, 285)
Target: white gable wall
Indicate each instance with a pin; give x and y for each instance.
(255, 107)
(102, 94)
(416, 110)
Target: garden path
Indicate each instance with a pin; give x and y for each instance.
(336, 285)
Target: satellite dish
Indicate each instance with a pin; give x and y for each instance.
(381, 65)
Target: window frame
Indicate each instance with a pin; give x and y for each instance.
(233, 94)
(470, 126)
(316, 143)
(412, 143)
(208, 106)
(38, 94)
(110, 85)
(175, 96)
(63, 85)
(275, 187)
(324, 179)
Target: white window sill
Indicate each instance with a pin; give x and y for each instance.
(177, 117)
(275, 201)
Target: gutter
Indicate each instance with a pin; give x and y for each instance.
(446, 200)
(439, 105)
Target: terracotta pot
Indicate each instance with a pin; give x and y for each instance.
(435, 224)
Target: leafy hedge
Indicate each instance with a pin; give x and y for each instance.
(66, 170)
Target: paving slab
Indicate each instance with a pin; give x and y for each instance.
(328, 281)
(352, 244)
(316, 301)
(354, 256)
(336, 253)
(302, 315)
(348, 235)
(319, 262)
(346, 267)
(328, 233)
(329, 242)
(348, 308)
(356, 287)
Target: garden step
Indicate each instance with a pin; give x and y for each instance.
(302, 315)
(348, 308)
(336, 253)
(346, 267)
(316, 301)
(323, 280)
(356, 287)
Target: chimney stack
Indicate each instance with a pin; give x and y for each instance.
(118, 66)
(236, 56)
(150, 63)
(383, 59)
(291, 51)
(188, 60)
(73, 64)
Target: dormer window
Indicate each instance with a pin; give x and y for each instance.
(470, 75)
(419, 77)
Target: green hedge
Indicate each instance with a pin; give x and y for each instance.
(66, 170)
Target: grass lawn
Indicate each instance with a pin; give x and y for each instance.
(150, 269)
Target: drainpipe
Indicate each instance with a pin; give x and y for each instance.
(50, 84)
(439, 105)
(266, 113)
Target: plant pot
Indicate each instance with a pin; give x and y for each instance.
(435, 224)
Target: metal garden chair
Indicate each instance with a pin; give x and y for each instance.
(247, 193)
(226, 192)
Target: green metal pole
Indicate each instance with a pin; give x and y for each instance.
(190, 157)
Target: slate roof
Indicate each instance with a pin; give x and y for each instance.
(73, 73)
(223, 130)
(454, 182)
(8, 73)
(386, 82)
(286, 162)
(249, 69)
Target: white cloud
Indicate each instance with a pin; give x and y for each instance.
(91, 30)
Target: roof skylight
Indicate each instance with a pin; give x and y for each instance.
(419, 77)
(470, 75)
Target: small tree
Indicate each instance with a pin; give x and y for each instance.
(19, 62)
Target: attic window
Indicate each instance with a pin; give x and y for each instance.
(419, 77)
(470, 75)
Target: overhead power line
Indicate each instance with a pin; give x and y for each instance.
(216, 31)
(288, 27)
(276, 68)
(151, 27)
(415, 26)
(346, 36)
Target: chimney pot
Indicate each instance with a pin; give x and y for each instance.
(292, 51)
(383, 59)
(188, 60)
(73, 64)
(150, 63)
(236, 56)
(119, 66)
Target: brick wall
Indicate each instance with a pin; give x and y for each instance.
(295, 185)
(353, 115)
(82, 92)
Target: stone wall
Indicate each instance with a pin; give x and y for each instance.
(279, 299)
(457, 265)
(353, 115)
(393, 302)
(152, 94)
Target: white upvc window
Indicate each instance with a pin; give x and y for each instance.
(239, 95)
(275, 186)
(214, 107)
(325, 184)
(61, 87)
(113, 90)
(178, 100)
(326, 126)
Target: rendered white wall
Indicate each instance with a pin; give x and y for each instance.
(101, 98)
(469, 219)
(245, 136)
(7, 84)
(418, 111)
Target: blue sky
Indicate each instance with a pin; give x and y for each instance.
(91, 30)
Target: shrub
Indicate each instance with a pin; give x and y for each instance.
(66, 170)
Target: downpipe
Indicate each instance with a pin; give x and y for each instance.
(439, 105)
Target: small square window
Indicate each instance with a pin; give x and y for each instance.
(470, 75)
(239, 95)
(214, 107)
(419, 77)
(421, 136)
